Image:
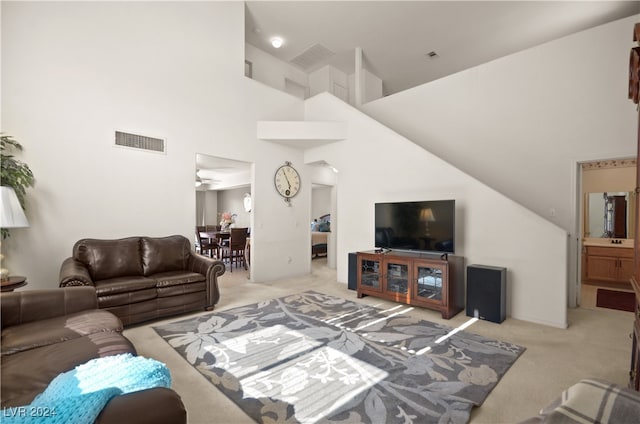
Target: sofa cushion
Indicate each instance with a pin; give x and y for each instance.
(181, 290)
(109, 258)
(164, 254)
(179, 304)
(176, 278)
(28, 373)
(35, 334)
(123, 285)
(132, 298)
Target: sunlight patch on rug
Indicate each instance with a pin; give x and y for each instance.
(264, 348)
(315, 384)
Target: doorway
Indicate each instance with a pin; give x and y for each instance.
(606, 205)
(223, 187)
(322, 230)
(323, 214)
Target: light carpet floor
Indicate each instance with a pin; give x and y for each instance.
(596, 344)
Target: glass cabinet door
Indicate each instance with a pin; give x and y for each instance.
(397, 278)
(428, 283)
(370, 277)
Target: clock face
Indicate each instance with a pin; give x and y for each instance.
(287, 181)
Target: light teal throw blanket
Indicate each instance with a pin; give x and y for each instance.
(78, 396)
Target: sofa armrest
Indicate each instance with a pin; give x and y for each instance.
(74, 273)
(25, 306)
(151, 406)
(211, 269)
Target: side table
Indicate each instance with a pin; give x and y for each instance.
(13, 283)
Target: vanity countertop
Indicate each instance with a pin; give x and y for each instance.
(607, 242)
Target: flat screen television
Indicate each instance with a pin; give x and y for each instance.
(427, 226)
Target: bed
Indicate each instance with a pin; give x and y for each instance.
(320, 229)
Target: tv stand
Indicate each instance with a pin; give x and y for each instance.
(420, 279)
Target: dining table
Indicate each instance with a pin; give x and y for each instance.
(216, 237)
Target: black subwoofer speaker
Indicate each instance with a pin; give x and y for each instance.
(487, 292)
(353, 271)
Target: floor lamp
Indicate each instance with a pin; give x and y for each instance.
(11, 216)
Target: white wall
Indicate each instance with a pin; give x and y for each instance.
(200, 207)
(320, 81)
(372, 87)
(206, 207)
(521, 123)
(378, 165)
(283, 229)
(320, 201)
(74, 72)
(288, 78)
(211, 208)
(272, 71)
(329, 79)
(232, 201)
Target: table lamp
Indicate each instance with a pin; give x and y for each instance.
(11, 216)
(426, 215)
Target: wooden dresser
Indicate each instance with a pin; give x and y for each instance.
(608, 264)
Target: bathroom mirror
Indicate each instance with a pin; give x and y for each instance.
(609, 215)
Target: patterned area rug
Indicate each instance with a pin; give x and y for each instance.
(312, 357)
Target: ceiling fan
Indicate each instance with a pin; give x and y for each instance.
(200, 181)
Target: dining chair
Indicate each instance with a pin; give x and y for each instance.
(218, 241)
(234, 251)
(208, 247)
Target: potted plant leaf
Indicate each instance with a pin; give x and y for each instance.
(14, 173)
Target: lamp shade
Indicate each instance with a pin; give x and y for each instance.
(11, 213)
(426, 215)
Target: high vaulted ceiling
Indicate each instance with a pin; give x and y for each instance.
(396, 36)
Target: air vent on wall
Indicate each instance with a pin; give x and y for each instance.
(311, 57)
(141, 142)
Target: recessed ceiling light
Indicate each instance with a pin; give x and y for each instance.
(276, 42)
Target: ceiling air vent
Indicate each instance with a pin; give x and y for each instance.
(311, 57)
(134, 141)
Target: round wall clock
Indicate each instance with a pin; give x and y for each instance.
(287, 181)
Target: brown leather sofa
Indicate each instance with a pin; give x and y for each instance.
(48, 332)
(144, 278)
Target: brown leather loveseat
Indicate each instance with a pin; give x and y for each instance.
(143, 278)
(48, 332)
